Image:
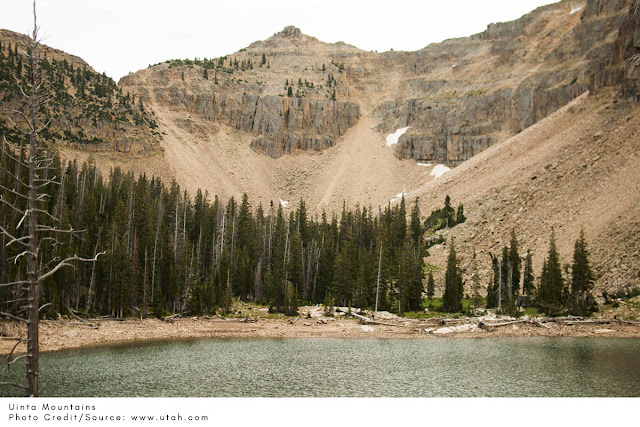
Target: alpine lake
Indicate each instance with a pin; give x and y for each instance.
(504, 367)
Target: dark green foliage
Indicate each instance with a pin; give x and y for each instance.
(528, 286)
(515, 265)
(443, 218)
(84, 104)
(169, 253)
(549, 296)
(453, 286)
(581, 302)
(460, 218)
(430, 287)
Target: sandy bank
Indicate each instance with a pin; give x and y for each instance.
(64, 334)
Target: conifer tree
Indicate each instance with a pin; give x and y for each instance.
(475, 279)
(430, 288)
(453, 287)
(449, 213)
(549, 296)
(582, 301)
(460, 218)
(528, 280)
(416, 226)
(515, 265)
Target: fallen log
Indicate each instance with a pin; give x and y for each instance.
(484, 325)
(627, 322)
(376, 322)
(173, 316)
(540, 324)
(586, 322)
(85, 325)
(74, 315)
(293, 322)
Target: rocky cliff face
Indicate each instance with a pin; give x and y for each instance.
(293, 93)
(497, 83)
(284, 91)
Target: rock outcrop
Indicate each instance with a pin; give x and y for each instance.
(295, 93)
(86, 110)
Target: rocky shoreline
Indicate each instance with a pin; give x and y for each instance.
(63, 334)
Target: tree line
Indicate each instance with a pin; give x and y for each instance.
(166, 252)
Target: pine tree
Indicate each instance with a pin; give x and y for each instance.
(475, 279)
(582, 301)
(430, 287)
(449, 213)
(416, 226)
(206, 74)
(453, 287)
(528, 281)
(494, 286)
(515, 265)
(551, 283)
(460, 218)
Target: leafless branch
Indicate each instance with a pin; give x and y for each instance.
(56, 230)
(20, 282)
(16, 178)
(15, 385)
(40, 129)
(6, 233)
(11, 316)
(43, 306)
(20, 240)
(20, 255)
(21, 340)
(15, 359)
(65, 263)
(41, 211)
(15, 193)
(11, 205)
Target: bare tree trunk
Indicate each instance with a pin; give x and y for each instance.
(145, 305)
(33, 348)
(92, 281)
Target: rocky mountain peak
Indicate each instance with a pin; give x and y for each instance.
(291, 32)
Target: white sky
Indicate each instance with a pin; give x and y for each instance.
(120, 36)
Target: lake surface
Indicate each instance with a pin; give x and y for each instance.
(351, 368)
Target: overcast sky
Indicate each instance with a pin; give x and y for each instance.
(120, 36)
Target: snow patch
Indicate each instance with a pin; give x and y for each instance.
(284, 203)
(577, 9)
(393, 138)
(399, 195)
(439, 170)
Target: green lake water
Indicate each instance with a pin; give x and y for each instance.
(543, 367)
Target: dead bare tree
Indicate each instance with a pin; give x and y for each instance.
(27, 200)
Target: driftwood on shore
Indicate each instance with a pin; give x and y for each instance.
(173, 316)
(367, 321)
(85, 325)
(484, 325)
